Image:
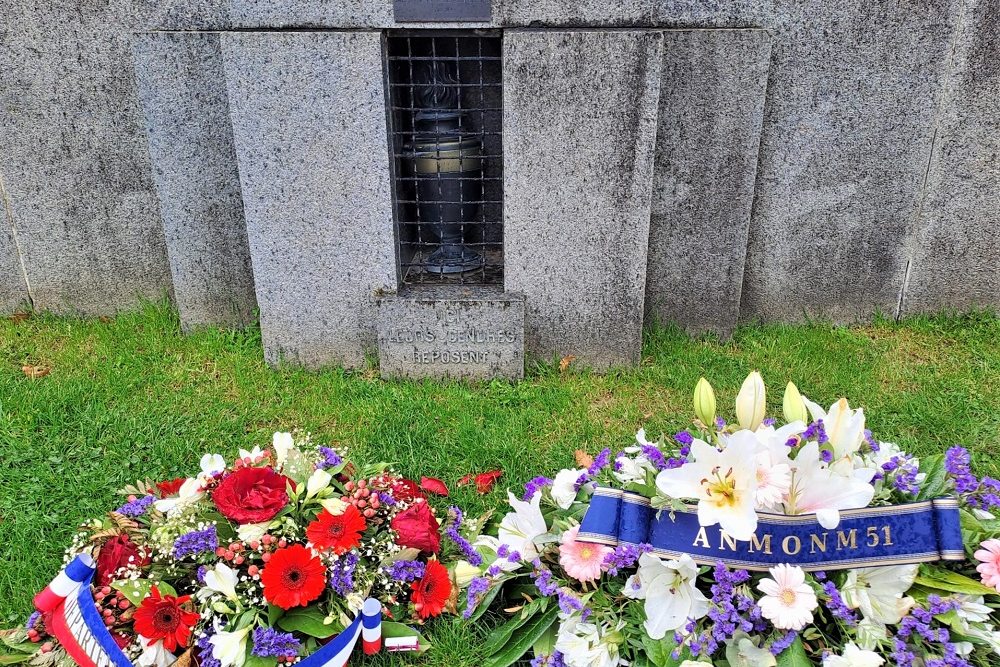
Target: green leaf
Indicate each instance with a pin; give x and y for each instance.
(794, 656)
(658, 651)
(393, 629)
(134, 590)
(308, 621)
(15, 659)
(952, 582)
(936, 482)
(274, 612)
(500, 636)
(485, 603)
(257, 661)
(523, 639)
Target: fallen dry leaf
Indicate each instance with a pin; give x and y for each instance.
(20, 317)
(565, 362)
(35, 372)
(583, 459)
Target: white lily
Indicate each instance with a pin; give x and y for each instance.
(282, 444)
(319, 480)
(972, 608)
(563, 490)
(154, 656)
(878, 592)
(220, 579)
(334, 506)
(742, 652)
(252, 454)
(751, 402)
(582, 644)
(190, 492)
(465, 572)
(668, 587)
(230, 648)
(845, 427)
(519, 528)
(825, 489)
(212, 464)
(853, 657)
(724, 483)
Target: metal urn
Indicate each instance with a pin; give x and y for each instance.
(448, 167)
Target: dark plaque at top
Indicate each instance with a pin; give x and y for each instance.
(443, 10)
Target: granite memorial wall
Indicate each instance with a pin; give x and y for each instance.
(694, 162)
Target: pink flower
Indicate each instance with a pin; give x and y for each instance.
(581, 560)
(989, 568)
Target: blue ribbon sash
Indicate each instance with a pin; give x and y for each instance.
(917, 532)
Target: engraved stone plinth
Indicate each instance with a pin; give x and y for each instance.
(472, 334)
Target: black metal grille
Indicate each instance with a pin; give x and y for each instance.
(445, 101)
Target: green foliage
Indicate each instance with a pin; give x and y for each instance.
(131, 397)
(794, 656)
(310, 621)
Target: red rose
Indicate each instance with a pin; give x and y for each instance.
(416, 527)
(118, 552)
(170, 487)
(251, 495)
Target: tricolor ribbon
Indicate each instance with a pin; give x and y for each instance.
(897, 534)
(77, 624)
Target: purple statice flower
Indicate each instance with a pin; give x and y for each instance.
(137, 507)
(816, 430)
(768, 421)
(825, 455)
(386, 498)
(32, 620)
(872, 442)
(655, 456)
(601, 462)
(542, 577)
(919, 623)
(684, 438)
(195, 543)
(468, 551)
(478, 588)
(406, 570)
(783, 642)
(624, 556)
(905, 470)
(569, 603)
(987, 497)
(792, 441)
(730, 611)
(269, 643)
(554, 660)
(342, 573)
(205, 647)
(534, 486)
(838, 608)
(957, 463)
(331, 459)
(200, 574)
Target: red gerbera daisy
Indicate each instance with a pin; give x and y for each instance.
(161, 617)
(293, 577)
(432, 592)
(337, 532)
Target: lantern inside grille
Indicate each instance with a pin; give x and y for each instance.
(445, 100)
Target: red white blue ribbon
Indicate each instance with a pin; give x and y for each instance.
(77, 624)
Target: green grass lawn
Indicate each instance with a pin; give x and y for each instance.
(131, 397)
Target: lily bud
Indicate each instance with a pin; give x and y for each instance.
(465, 572)
(319, 480)
(750, 402)
(334, 506)
(704, 402)
(793, 406)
